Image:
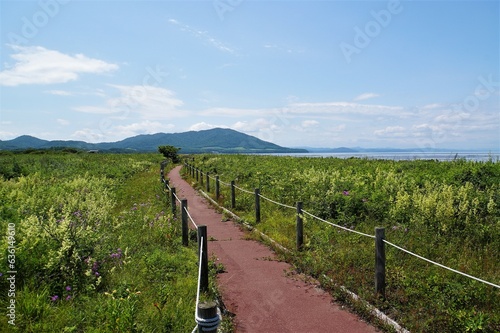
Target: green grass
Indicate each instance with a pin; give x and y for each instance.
(97, 249)
(448, 212)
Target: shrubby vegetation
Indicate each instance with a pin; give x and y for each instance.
(448, 212)
(96, 248)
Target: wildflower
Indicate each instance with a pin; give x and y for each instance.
(54, 298)
(1, 274)
(345, 192)
(68, 288)
(68, 297)
(364, 200)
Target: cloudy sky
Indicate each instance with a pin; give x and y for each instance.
(409, 74)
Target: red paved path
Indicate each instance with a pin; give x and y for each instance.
(257, 288)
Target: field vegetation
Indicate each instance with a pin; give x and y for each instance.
(96, 247)
(448, 212)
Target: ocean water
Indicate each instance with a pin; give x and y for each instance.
(401, 156)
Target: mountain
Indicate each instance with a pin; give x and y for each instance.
(220, 140)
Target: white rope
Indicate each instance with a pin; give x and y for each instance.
(224, 183)
(206, 324)
(277, 203)
(442, 266)
(338, 226)
(189, 215)
(175, 195)
(243, 190)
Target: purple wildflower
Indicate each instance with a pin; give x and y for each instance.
(345, 192)
(68, 288)
(54, 298)
(68, 297)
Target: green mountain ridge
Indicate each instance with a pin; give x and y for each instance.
(219, 140)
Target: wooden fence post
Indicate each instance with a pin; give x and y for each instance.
(217, 188)
(257, 205)
(185, 230)
(233, 195)
(172, 200)
(201, 178)
(300, 227)
(380, 261)
(197, 176)
(208, 181)
(202, 233)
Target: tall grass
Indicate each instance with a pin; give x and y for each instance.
(448, 212)
(97, 249)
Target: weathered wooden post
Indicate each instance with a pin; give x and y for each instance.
(380, 261)
(300, 227)
(208, 181)
(233, 195)
(257, 205)
(217, 188)
(207, 312)
(202, 234)
(172, 200)
(201, 178)
(185, 230)
(197, 176)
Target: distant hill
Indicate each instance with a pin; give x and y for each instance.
(219, 140)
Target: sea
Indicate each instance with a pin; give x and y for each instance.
(408, 156)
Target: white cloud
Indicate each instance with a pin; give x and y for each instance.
(59, 92)
(432, 106)
(144, 127)
(365, 96)
(150, 102)
(331, 108)
(392, 131)
(63, 122)
(88, 135)
(95, 109)
(203, 35)
(310, 123)
(204, 126)
(38, 65)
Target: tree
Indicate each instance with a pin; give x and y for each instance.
(170, 152)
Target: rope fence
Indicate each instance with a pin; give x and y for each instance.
(337, 226)
(243, 190)
(276, 203)
(190, 218)
(379, 236)
(442, 266)
(207, 314)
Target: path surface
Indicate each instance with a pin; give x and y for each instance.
(256, 287)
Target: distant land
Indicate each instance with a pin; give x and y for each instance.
(217, 140)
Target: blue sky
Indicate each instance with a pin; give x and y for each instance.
(403, 74)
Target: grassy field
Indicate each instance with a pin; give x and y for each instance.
(448, 212)
(95, 247)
